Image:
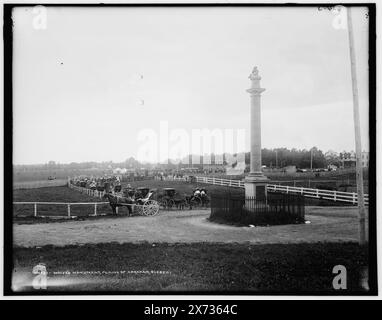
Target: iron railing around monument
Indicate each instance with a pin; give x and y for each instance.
(277, 208)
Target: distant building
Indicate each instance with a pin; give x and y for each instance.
(365, 159)
(348, 159)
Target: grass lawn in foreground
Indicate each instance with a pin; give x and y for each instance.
(271, 268)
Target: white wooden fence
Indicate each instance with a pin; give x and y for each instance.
(89, 192)
(67, 204)
(221, 182)
(340, 196)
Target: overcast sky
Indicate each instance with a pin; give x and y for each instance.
(94, 78)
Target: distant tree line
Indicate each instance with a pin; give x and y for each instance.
(282, 157)
(273, 158)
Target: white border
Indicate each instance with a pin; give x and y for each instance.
(207, 297)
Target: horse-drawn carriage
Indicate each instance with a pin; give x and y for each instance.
(169, 198)
(142, 192)
(200, 197)
(145, 206)
(146, 201)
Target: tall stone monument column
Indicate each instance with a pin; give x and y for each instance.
(255, 183)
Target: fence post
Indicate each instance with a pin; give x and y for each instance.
(35, 209)
(287, 189)
(95, 209)
(335, 196)
(353, 198)
(68, 210)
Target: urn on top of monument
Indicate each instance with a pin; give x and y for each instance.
(255, 82)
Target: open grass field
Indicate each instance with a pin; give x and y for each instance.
(59, 194)
(38, 174)
(54, 194)
(39, 184)
(164, 267)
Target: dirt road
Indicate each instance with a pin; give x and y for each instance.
(326, 224)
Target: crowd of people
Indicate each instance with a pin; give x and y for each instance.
(175, 176)
(200, 192)
(110, 182)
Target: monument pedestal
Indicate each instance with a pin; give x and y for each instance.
(256, 187)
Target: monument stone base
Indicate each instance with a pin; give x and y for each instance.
(256, 187)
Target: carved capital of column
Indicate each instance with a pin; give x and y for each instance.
(255, 91)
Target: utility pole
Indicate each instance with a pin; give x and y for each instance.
(276, 158)
(358, 146)
(311, 159)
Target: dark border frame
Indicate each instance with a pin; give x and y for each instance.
(8, 148)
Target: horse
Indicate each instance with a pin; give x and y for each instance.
(116, 201)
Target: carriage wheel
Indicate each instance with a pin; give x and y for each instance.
(150, 208)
